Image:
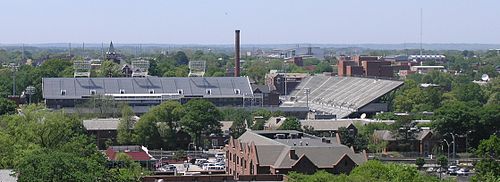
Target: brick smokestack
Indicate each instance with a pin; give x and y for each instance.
(237, 53)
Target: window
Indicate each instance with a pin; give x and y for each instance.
(208, 91)
(63, 92)
(180, 91)
(151, 91)
(122, 91)
(237, 91)
(93, 92)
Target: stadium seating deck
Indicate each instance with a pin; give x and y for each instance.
(339, 95)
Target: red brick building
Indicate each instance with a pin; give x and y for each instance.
(370, 66)
(282, 151)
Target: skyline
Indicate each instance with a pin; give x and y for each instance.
(277, 22)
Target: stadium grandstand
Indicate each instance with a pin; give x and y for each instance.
(143, 92)
(340, 96)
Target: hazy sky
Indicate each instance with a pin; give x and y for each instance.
(260, 21)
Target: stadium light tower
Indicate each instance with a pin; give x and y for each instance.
(30, 90)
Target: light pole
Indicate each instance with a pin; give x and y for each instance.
(307, 91)
(448, 147)
(454, 145)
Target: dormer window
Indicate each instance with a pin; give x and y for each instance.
(63, 92)
(237, 91)
(208, 91)
(122, 91)
(180, 91)
(151, 91)
(93, 92)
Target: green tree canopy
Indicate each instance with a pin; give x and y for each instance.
(291, 123)
(201, 118)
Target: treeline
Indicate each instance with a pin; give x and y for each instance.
(52, 146)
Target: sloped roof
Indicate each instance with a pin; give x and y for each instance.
(388, 136)
(75, 88)
(326, 125)
(135, 152)
(275, 152)
(103, 123)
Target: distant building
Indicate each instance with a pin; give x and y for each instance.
(422, 143)
(269, 98)
(283, 151)
(329, 128)
(112, 55)
(284, 83)
(425, 69)
(103, 129)
(369, 66)
(425, 58)
(141, 93)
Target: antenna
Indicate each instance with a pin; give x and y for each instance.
(69, 47)
(421, 30)
(102, 50)
(22, 55)
(83, 49)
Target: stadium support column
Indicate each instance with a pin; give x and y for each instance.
(237, 54)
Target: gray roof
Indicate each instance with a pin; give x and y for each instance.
(191, 86)
(275, 152)
(5, 175)
(388, 136)
(101, 124)
(326, 125)
(339, 95)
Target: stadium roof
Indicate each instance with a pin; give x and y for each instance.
(339, 95)
(75, 88)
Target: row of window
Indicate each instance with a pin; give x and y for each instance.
(152, 91)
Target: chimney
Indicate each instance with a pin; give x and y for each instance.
(293, 155)
(237, 53)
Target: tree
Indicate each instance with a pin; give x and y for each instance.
(7, 106)
(489, 166)
(454, 117)
(442, 161)
(238, 128)
(420, 162)
(201, 118)
(124, 130)
(54, 165)
(157, 128)
(181, 58)
(127, 171)
(291, 123)
(109, 69)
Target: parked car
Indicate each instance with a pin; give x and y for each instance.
(430, 170)
(452, 170)
(463, 171)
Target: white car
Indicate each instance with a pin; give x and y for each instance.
(463, 171)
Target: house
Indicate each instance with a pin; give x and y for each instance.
(269, 98)
(422, 143)
(135, 152)
(282, 151)
(328, 128)
(104, 129)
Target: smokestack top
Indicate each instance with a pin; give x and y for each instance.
(237, 53)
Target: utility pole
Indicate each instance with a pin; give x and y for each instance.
(14, 67)
(421, 30)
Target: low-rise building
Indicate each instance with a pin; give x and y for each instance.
(103, 129)
(422, 143)
(283, 151)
